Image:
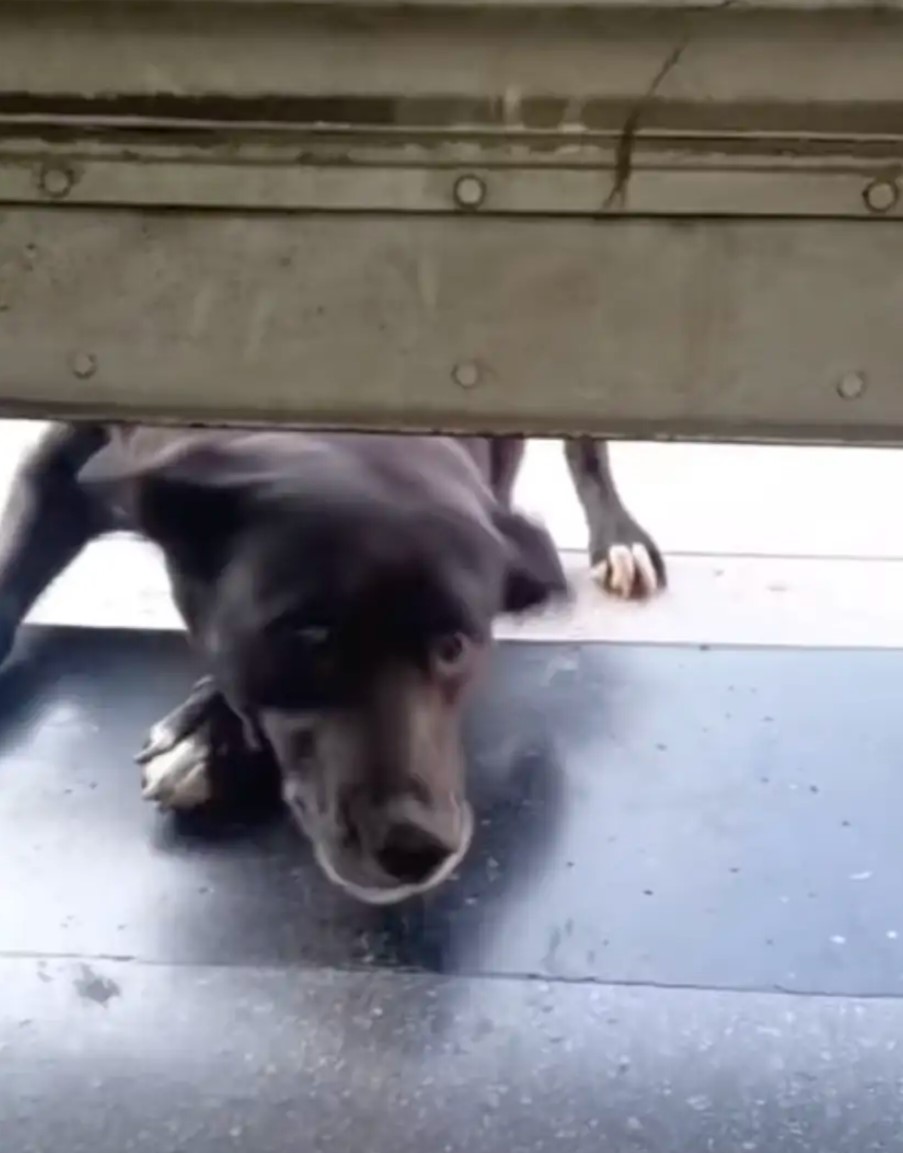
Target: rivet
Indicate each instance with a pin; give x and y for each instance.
(83, 364)
(470, 191)
(851, 385)
(881, 195)
(466, 374)
(56, 181)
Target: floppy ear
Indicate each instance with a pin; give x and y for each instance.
(185, 501)
(535, 574)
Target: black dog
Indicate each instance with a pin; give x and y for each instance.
(341, 591)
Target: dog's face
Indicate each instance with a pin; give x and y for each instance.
(347, 621)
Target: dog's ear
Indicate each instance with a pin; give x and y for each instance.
(188, 501)
(535, 574)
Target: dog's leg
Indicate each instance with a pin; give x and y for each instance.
(47, 521)
(625, 559)
(506, 454)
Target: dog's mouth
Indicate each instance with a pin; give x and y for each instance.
(345, 863)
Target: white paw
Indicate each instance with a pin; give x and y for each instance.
(628, 571)
(161, 739)
(178, 777)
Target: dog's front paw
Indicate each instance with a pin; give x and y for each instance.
(177, 757)
(631, 567)
(198, 710)
(177, 777)
(204, 755)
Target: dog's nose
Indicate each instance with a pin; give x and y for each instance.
(410, 853)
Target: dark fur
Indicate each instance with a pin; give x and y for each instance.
(341, 591)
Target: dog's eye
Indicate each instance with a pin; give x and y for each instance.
(450, 651)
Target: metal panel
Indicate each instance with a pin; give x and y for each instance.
(378, 214)
(739, 329)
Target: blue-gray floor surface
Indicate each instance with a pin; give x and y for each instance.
(680, 927)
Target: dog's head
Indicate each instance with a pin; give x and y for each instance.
(345, 609)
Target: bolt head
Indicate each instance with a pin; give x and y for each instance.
(470, 191)
(851, 385)
(881, 195)
(56, 181)
(83, 364)
(466, 374)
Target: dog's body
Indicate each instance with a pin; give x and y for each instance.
(341, 591)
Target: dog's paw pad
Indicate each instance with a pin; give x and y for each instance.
(629, 572)
(178, 778)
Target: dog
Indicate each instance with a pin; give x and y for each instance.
(340, 590)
